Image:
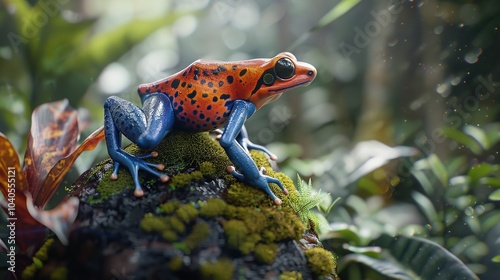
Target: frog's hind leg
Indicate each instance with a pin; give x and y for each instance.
(145, 127)
(243, 140)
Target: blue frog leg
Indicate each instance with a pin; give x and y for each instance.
(145, 127)
(249, 145)
(250, 174)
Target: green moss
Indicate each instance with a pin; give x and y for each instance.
(29, 272)
(240, 194)
(186, 213)
(176, 224)
(169, 207)
(320, 261)
(213, 207)
(220, 270)
(39, 258)
(236, 233)
(268, 236)
(152, 223)
(231, 212)
(248, 245)
(283, 225)
(173, 226)
(180, 149)
(291, 275)
(183, 179)
(249, 226)
(266, 253)
(254, 219)
(207, 169)
(175, 264)
(60, 273)
(42, 253)
(169, 235)
(200, 232)
(37, 262)
(105, 190)
(239, 237)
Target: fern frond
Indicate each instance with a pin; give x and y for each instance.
(308, 199)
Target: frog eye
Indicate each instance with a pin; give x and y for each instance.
(268, 79)
(284, 68)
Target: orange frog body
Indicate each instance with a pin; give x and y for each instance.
(205, 96)
(202, 95)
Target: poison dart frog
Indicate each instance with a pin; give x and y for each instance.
(205, 96)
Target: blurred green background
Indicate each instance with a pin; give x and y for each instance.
(391, 75)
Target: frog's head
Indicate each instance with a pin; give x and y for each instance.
(279, 74)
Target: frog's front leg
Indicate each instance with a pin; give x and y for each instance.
(250, 174)
(145, 127)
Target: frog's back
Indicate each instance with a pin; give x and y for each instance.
(203, 93)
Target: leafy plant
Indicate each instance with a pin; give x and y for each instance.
(308, 199)
(52, 149)
(452, 210)
(55, 56)
(404, 257)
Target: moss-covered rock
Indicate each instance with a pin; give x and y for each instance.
(320, 261)
(213, 207)
(202, 224)
(291, 275)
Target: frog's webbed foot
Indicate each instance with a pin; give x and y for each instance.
(116, 164)
(261, 182)
(134, 164)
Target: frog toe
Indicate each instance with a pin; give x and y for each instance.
(235, 173)
(153, 154)
(114, 175)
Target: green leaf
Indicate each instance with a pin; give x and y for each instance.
(480, 170)
(492, 133)
(459, 185)
(496, 259)
(308, 199)
(22, 13)
(425, 206)
(438, 169)
(426, 259)
(490, 220)
(341, 233)
(463, 138)
(424, 180)
(434, 164)
(90, 58)
(388, 269)
(370, 251)
(495, 196)
(479, 135)
(489, 181)
(109, 46)
(60, 41)
(337, 11)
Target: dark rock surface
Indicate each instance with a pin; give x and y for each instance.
(168, 235)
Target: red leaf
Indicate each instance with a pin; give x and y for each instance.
(52, 150)
(30, 233)
(60, 169)
(9, 160)
(54, 135)
(60, 219)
